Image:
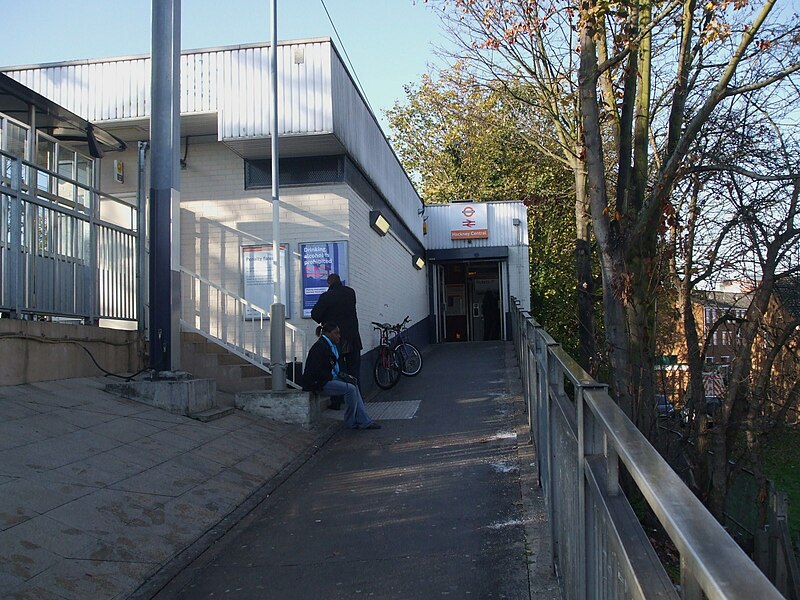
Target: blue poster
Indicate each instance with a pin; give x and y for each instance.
(318, 260)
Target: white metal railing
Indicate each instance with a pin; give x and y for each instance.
(66, 249)
(240, 326)
(599, 547)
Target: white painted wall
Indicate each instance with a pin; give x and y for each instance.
(218, 217)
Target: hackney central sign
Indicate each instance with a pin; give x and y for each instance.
(469, 221)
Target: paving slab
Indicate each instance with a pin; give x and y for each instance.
(99, 493)
(429, 506)
(103, 497)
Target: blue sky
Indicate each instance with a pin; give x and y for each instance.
(390, 43)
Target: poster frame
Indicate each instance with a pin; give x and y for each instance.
(337, 262)
(250, 287)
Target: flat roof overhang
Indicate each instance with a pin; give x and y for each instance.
(16, 101)
(205, 126)
(467, 254)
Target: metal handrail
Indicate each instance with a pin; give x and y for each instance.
(69, 255)
(229, 320)
(599, 547)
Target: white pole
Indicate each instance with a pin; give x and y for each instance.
(277, 312)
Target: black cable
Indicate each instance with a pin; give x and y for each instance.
(18, 336)
(349, 62)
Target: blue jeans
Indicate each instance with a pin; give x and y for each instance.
(355, 414)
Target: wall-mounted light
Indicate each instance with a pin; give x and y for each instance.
(378, 222)
(418, 262)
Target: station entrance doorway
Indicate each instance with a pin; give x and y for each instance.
(469, 301)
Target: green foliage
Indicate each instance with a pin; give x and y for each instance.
(781, 462)
(459, 139)
(552, 262)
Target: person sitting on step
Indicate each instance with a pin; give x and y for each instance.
(323, 375)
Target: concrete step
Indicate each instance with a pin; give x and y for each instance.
(206, 347)
(212, 414)
(249, 370)
(231, 372)
(231, 359)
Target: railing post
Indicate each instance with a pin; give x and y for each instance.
(94, 268)
(592, 441)
(690, 588)
(529, 351)
(551, 375)
(17, 251)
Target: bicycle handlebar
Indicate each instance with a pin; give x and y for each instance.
(390, 327)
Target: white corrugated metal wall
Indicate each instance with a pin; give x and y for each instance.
(502, 231)
(234, 82)
(316, 95)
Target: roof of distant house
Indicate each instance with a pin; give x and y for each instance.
(788, 293)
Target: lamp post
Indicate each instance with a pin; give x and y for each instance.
(277, 311)
(165, 276)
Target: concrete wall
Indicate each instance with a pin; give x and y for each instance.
(34, 351)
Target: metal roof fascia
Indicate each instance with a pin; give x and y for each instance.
(14, 88)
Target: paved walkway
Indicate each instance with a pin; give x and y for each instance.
(102, 497)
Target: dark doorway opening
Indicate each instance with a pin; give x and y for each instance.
(471, 301)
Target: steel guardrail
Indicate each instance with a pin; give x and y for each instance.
(599, 547)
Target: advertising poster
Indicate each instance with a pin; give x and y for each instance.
(259, 279)
(318, 260)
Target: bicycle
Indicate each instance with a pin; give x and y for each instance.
(387, 368)
(409, 355)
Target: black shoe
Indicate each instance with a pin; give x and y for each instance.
(337, 406)
(372, 425)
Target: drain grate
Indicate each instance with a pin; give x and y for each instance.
(384, 411)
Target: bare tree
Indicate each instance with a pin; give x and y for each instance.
(629, 84)
(739, 220)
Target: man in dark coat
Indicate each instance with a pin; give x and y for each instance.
(338, 305)
(322, 374)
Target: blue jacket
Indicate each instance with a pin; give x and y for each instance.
(319, 366)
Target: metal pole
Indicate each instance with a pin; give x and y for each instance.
(164, 186)
(277, 312)
(141, 236)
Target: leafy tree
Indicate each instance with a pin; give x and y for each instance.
(460, 139)
(525, 51)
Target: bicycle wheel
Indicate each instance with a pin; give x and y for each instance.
(387, 369)
(410, 359)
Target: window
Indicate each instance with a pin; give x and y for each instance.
(68, 164)
(13, 140)
(45, 158)
(709, 360)
(85, 176)
(66, 168)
